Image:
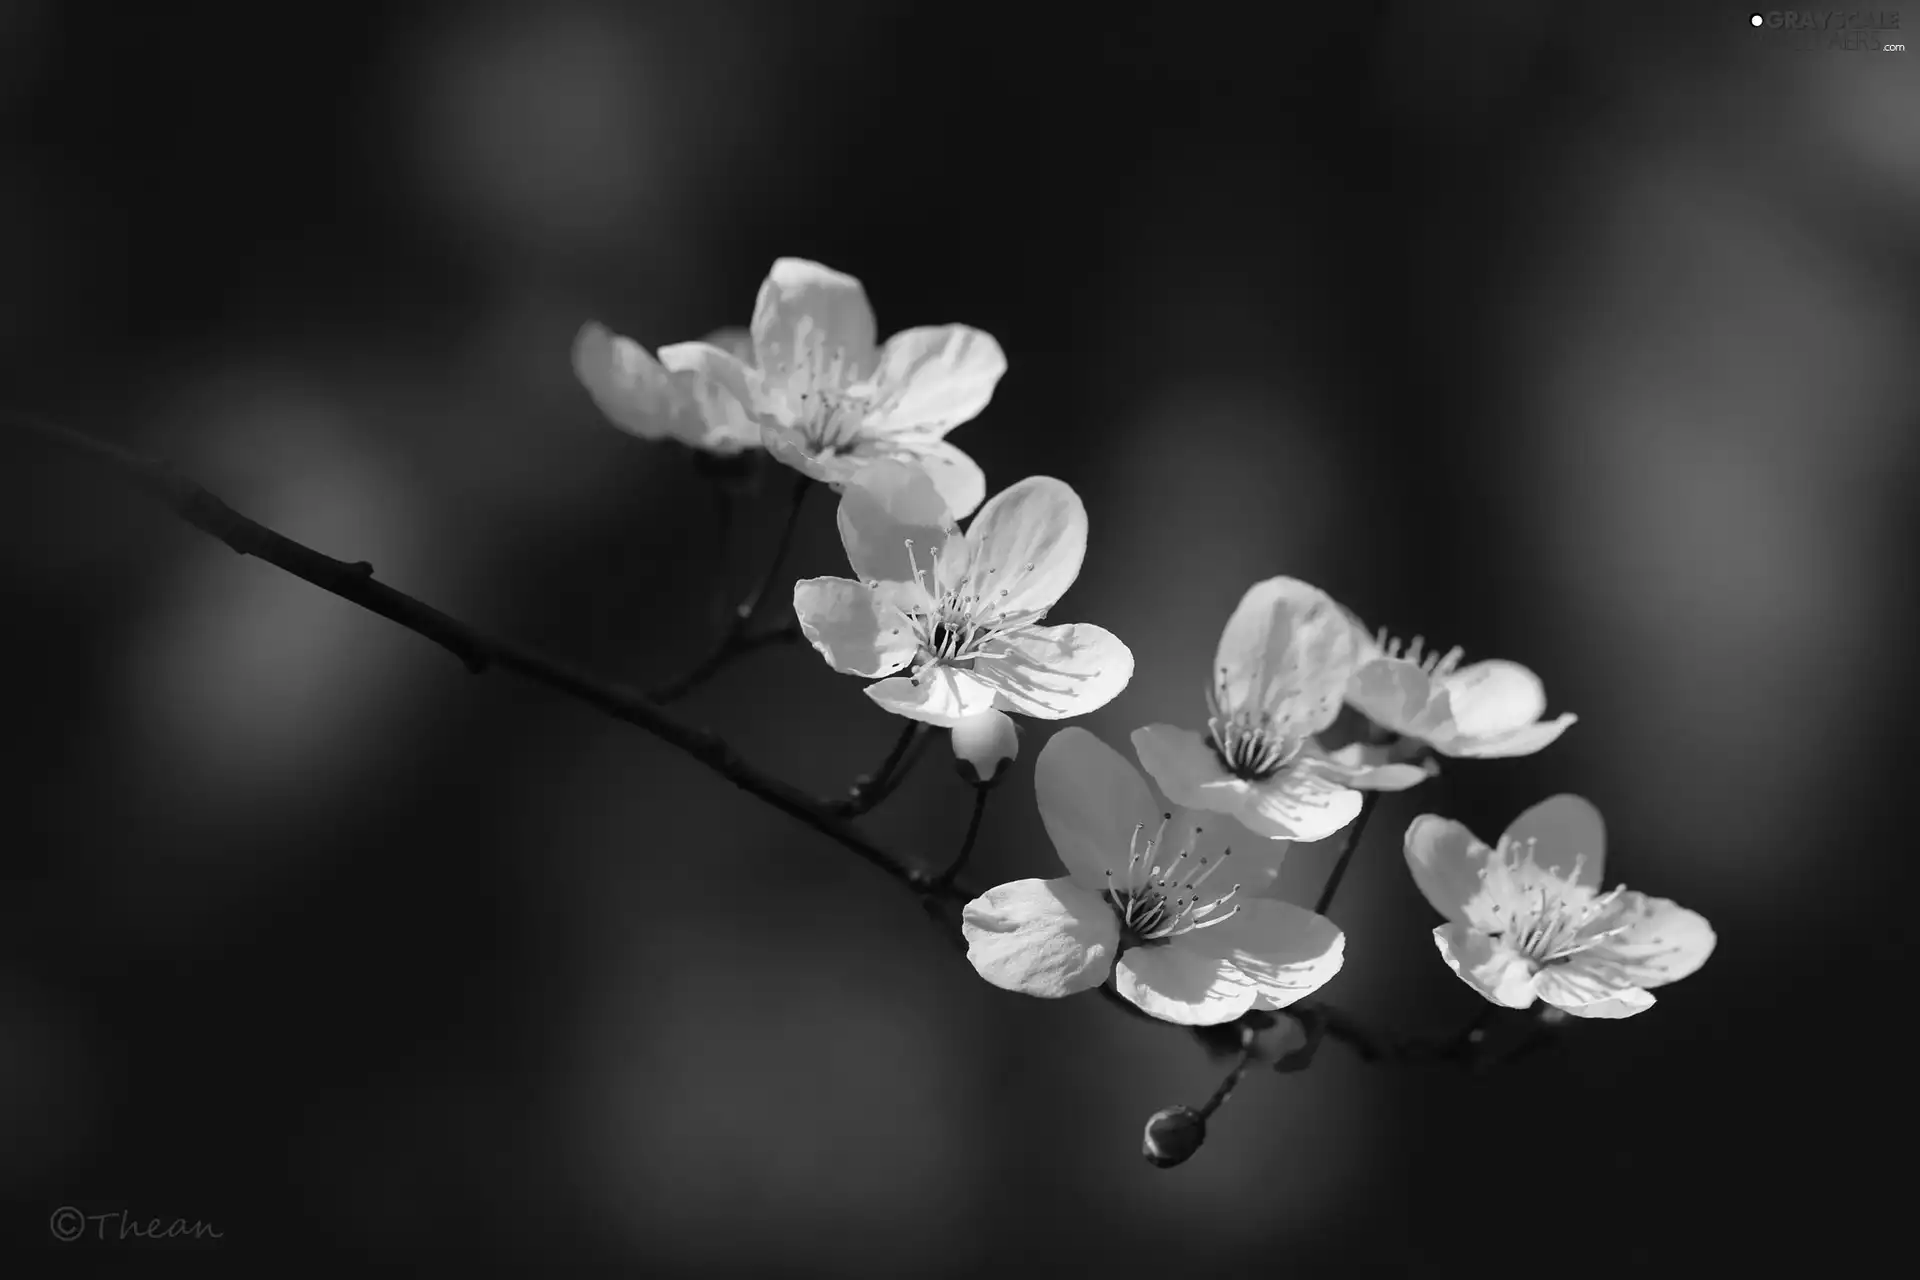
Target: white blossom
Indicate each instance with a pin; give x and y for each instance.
(948, 624)
(1527, 919)
(1150, 898)
(1280, 672)
(831, 400)
(1485, 709)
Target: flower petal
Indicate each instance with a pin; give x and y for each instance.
(1287, 951)
(1041, 937)
(1659, 942)
(1055, 673)
(735, 341)
(1629, 1002)
(1027, 543)
(1447, 860)
(1565, 831)
(1368, 767)
(632, 388)
(1590, 993)
(806, 315)
(857, 632)
(892, 519)
(940, 695)
(1490, 698)
(935, 378)
(1299, 804)
(1091, 800)
(722, 390)
(957, 478)
(1399, 695)
(1184, 766)
(1290, 650)
(1492, 970)
(1176, 984)
(1524, 741)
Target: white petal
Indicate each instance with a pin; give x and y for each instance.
(893, 523)
(1492, 970)
(1287, 951)
(1565, 830)
(1368, 768)
(1524, 741)
(735, 341)
(1399, 695)
(1184, 766)
(722, 390)
(935, 378)
(1055, 673)
(1629, 1002)
(1289, 649)
(1446, 860)
(940, 696)
(1589, 993)
(956, 477)
(1660, 942)
(1027, 544)
(1298, 804)
(634, 390)
(1041, 937)
(856, 633)
(1091, 800)
(1490, 698)
(807, 314)
(1179, 985)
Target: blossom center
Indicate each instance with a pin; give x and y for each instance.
(1159, 897)
(958, 619)
(825, 393)
(1245, 738)
(1544, 919)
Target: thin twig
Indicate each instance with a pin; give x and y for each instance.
(871, 789)
(735, 641)
(945, 878)
(1249, 1049)
(355, 582)
(1339, 871)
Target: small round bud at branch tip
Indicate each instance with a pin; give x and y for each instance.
(1172, 1135)
(986, 741)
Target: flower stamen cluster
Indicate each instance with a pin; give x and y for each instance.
(1155, 902)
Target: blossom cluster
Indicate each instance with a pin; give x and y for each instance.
(1168, 895)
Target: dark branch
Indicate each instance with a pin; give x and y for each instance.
(355, 582)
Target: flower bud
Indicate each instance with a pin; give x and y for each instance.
(1173, 1135)
(986, 743)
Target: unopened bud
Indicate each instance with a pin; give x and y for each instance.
(1173, 1135)
(985, 743)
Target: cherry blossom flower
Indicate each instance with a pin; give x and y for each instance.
(832, 400)
(643, 396)
(1486, 709)
(1527, 919)
(1280, 672)
(959, 614)
(1144, 900)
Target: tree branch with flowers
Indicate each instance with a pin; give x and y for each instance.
(1167, 907)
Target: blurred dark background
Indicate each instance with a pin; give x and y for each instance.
(1580, 335)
